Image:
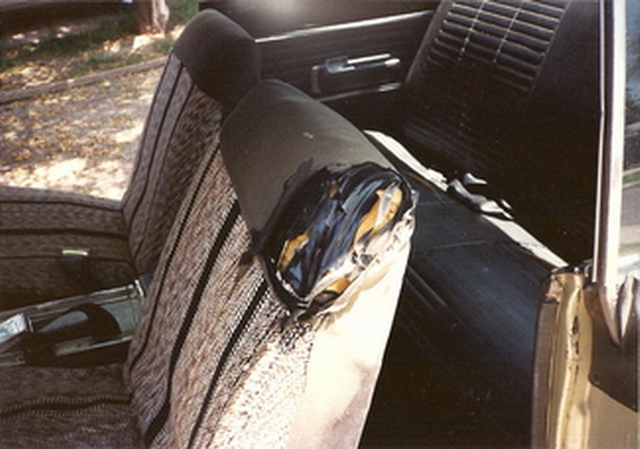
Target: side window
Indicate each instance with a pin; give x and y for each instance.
(629, 256)
(268, 17)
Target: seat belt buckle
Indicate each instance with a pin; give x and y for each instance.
(75, 263)
(76, 252)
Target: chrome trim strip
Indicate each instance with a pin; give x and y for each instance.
(389, 87)
(610, 163)
(343, 26)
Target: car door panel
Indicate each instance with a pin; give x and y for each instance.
(291, 57)
(305, 45)
(368, 97)
(271, 17)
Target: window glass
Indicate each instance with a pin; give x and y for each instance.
(630, 229)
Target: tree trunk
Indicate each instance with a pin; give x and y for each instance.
(153, 16)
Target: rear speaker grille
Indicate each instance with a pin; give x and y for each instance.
(507, 37)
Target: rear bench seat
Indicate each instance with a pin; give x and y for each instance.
(469, 307)
(508, 91)
(489, 93)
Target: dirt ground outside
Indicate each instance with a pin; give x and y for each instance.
(82, 139)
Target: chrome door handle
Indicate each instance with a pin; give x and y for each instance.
(343, 73)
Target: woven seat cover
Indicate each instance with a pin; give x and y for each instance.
(125, 239)
(216, 360)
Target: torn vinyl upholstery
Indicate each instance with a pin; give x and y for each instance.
(333, 208)
(341, 225)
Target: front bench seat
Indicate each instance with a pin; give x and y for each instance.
(244, 342)
(213, 64)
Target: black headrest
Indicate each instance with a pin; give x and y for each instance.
(220, 56)
(278, 138)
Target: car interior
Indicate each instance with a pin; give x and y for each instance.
(502, 99)
(48, 237)
(338, 232)
(262, 275)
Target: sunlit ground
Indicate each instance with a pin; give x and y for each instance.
(83, 139)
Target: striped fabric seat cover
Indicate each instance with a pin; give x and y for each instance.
(34, 227)
(183, 121)
(125, 239)
(197, 333)
(209, 316)
(56, 407)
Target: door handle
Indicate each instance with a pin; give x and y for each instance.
(342, 73)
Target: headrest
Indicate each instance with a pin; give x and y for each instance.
(222, 59)
(320, 200)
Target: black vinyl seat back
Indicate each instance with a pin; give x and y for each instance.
(508, 91)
